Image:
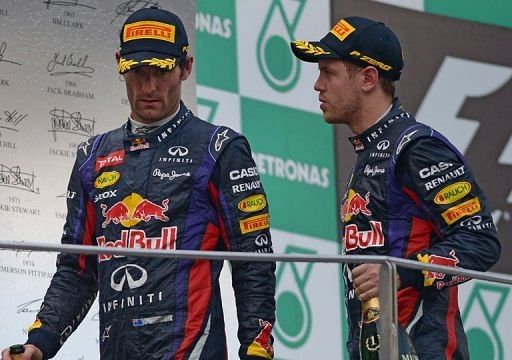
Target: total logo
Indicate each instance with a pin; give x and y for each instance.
(354, 205)
(114, 158)
(132, 210)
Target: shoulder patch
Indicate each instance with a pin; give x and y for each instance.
(219, 140)
(409, 135)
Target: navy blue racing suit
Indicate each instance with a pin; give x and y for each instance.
(412, 195)
(189, 185)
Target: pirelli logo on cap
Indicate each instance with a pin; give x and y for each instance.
(466, 208)
(342, 29)
(149, 30)
(254, 223)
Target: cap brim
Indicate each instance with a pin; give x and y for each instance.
(312, 51)
(131, 61)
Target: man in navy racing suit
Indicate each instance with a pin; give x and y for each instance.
(164, 180)
(411, 194)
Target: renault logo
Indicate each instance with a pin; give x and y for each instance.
(178, 151)
(135, 275)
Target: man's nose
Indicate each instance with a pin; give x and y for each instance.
(148, 82)
(318, 85)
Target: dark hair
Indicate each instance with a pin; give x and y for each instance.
(388, 86)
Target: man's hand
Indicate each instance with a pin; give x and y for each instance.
(366, 281)
(31, 353)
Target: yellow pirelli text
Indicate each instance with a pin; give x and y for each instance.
(466, 208)
(255, 223)
(149, 30)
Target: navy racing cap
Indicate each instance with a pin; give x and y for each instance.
(152, 37)
(360, 41)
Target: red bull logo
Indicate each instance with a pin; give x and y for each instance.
(132, 210)
(137, 239)
(355, 204)
(431, 276)
(354, 239)
(262, 344)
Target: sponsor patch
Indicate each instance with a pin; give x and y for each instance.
(354, 238)
(342, 29)
(149, 30)
(434, 169)
(114, 158)
(134, 209)
(262, 344)
(220, 140)
(431, 276)
(466, 208)
(152, 320)
(452, 193)
(137, 239)
(454, 174)
(240, 188)
(355, 204)
(243, 173)
(107, 178)
(139, 144)
(253, 203)
(255, 223)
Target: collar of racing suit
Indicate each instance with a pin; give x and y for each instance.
(363, 140)
(152, 139)
(144, 129)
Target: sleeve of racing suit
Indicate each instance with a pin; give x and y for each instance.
(443, 186)
(74, 285)
(244, 221)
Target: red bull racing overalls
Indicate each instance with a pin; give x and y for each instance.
(189, 185)
(412, 195)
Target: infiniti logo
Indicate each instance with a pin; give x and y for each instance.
(383, 145)
(134, 274)
(178, 151)
(261, 240)
(475, 220)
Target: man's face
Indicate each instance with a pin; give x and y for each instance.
(339, 95)
(154, 93)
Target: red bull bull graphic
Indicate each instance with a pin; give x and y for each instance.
(431, 276)
(132, 210)
(354, 239)
(262, 344)
(137, 239)
(355, 204)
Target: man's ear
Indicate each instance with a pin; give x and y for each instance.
(186, 68)
(370, 78)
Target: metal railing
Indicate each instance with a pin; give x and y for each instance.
(387, 285)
